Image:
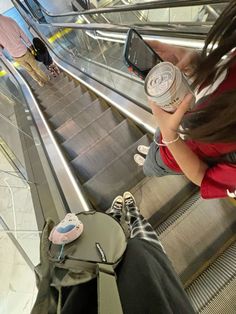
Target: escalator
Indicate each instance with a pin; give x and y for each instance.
(98, 136)
(99, 142)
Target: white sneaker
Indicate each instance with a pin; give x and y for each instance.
(129, 200)
(143, 149)
(117, 205)
(139, 159)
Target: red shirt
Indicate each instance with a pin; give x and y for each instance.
(220, 179)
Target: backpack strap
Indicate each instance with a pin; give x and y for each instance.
(108, 295)
(45, 302)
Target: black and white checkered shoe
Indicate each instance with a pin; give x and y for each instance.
(117, 206)
(129, 203)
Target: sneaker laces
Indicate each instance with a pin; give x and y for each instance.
(117, 206)
(129, 201)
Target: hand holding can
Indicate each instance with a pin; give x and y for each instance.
(166, 86)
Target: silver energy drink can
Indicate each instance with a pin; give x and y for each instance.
(166, 86)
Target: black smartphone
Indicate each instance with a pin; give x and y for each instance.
(139, 55)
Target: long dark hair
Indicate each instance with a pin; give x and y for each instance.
(216, 122)
(39, 45)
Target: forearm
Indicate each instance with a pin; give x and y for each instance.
(193, 167)
(25, 37)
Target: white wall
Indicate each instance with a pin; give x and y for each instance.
(5, 5)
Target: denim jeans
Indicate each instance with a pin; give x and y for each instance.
(154, 166)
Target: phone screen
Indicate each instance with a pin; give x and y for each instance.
(140, 55)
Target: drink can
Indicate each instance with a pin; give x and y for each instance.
(166, 86)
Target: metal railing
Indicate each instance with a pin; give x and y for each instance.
(161, 4)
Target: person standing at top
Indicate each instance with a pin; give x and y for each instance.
(15, 41)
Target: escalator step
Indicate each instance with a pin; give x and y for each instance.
(74, 94)
(195, 232)
(69, 97)
(50, 100)
(70, 111)
(152, 193)
(106, 150)
(62, 103)
(59, 81)
(82, 102)
(59, 92)
(120, 175)
(92, 133)
(60, 118)
(81, 120)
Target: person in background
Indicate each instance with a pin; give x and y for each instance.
(15, 41)
(146, 280)
(42, 55)
(206, 153)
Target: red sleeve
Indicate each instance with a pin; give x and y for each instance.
(219, 181)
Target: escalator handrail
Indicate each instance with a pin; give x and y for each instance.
(160, 4)
(177, 30)
(196, 41)
(123, 29)
(69, 185)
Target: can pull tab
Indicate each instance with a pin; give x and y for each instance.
(101, 252)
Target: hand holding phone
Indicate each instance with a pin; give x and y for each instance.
(139, 55)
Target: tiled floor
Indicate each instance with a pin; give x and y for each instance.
(17, 282)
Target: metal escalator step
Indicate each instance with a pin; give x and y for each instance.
(92, 133)
(118, 140)
(60, 118)
(62, 80)
(74, 94)
(63, 115)
(65, 97)
(82, 102)
(154, 192)
(55, 90)
(58, 106)
(210, 291)
(50, 100)
(193, 233)
(120, 175)
(81, 120)
(63, 102)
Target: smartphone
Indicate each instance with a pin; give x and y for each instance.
(139, 55)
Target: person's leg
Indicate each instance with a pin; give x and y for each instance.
(153, 164)
(24, 64)
(139, 226)
(33, 63)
